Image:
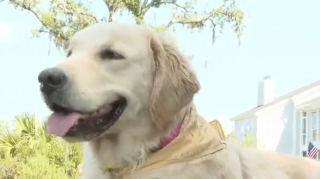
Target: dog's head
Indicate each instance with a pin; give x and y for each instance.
(116, 78)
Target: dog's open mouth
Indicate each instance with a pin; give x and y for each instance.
(67, 123)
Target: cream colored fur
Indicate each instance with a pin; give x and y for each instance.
(159, 84)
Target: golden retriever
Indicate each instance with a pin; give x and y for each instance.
(127, 92)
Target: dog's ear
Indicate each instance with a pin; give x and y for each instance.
(174, 83)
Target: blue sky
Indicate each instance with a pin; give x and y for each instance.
(281, 39)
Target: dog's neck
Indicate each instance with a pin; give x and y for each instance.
(175, 130)
(164, 141)
(117, 153)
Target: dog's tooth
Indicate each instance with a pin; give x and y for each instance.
(99, 121)
(118, 111)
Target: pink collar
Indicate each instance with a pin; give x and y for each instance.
(164, 141)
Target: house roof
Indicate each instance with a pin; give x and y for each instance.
(277, 100)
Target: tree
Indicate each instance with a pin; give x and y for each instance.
(248, 140)
(65, 17)
(25, 129)
(24, 148)
(230, 136)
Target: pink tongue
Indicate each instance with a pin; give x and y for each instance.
(59, 124)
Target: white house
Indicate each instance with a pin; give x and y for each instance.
(285, 124)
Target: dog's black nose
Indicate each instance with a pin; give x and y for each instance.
(52, 79)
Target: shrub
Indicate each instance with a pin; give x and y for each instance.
(27, 153)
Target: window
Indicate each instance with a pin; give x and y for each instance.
(310, 130)
(304, 154)
(318, 125)
(314, 126)
(310, 127)
(304, 128)
(243, 128)
(246, 127)
(304, 125)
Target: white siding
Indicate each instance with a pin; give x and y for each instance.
(275, 128)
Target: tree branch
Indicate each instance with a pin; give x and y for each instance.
(52, 31)
(152, 3)
(197, 21)
(75, 11)
(145, 2)
(66, 17)
(112, 8)
(215, 16)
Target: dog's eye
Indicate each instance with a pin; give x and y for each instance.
(109, 54)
